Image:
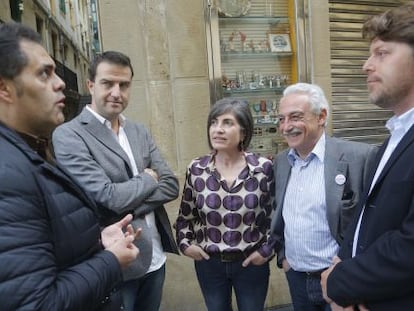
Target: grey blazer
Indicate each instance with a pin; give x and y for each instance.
(91, 153)
(350, 159)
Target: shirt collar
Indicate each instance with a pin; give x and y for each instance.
(402, 122)
(317, 152)
(104, 121)
(207, 163)
(40, 145)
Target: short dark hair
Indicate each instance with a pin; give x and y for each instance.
(396, 24)
(112, 57)
(241, 111)
(12, 58)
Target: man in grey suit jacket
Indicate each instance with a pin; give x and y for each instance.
(118, 163)
(318, 181)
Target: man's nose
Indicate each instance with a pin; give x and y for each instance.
(60, 85)
(116, 91)
(283, 126)
(367, 66)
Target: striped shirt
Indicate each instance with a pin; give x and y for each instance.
(309, 244)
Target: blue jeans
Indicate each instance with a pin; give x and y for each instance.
(144, 294)
(306, 292)
(217, 278)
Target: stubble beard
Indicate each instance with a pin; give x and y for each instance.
(387, 100)
(382, 101)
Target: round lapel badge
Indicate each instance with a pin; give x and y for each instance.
(340, 179)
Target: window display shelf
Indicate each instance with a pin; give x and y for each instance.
(230, 55)
(274, 20)
(277, 90)
(254, 60)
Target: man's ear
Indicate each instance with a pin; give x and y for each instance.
(6, 90)
(322, 116)
(90, 84)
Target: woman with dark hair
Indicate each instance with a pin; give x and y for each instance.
(226, 210)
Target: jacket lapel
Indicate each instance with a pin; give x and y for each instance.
(335, 165)
(133, 139)
(405, 142)
(282, 177)
(103, 134)
(282, 174)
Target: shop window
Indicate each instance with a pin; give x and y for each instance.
(39, 25)
(55, 51)
(62, 6)
(16, 9)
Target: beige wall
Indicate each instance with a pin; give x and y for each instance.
(320, 46)
(166, 41)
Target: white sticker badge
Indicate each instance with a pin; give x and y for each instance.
(340, 179)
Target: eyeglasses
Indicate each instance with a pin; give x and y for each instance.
(293, 118)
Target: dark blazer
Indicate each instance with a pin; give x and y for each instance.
(91, 153)
(350, 159)
(382, 273)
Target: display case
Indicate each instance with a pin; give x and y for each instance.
(253, 56)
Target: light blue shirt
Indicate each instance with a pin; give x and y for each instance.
(309, 244)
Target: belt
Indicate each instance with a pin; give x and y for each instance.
(231, 256)
(315, 274)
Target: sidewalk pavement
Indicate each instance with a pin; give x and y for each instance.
(281, 308)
